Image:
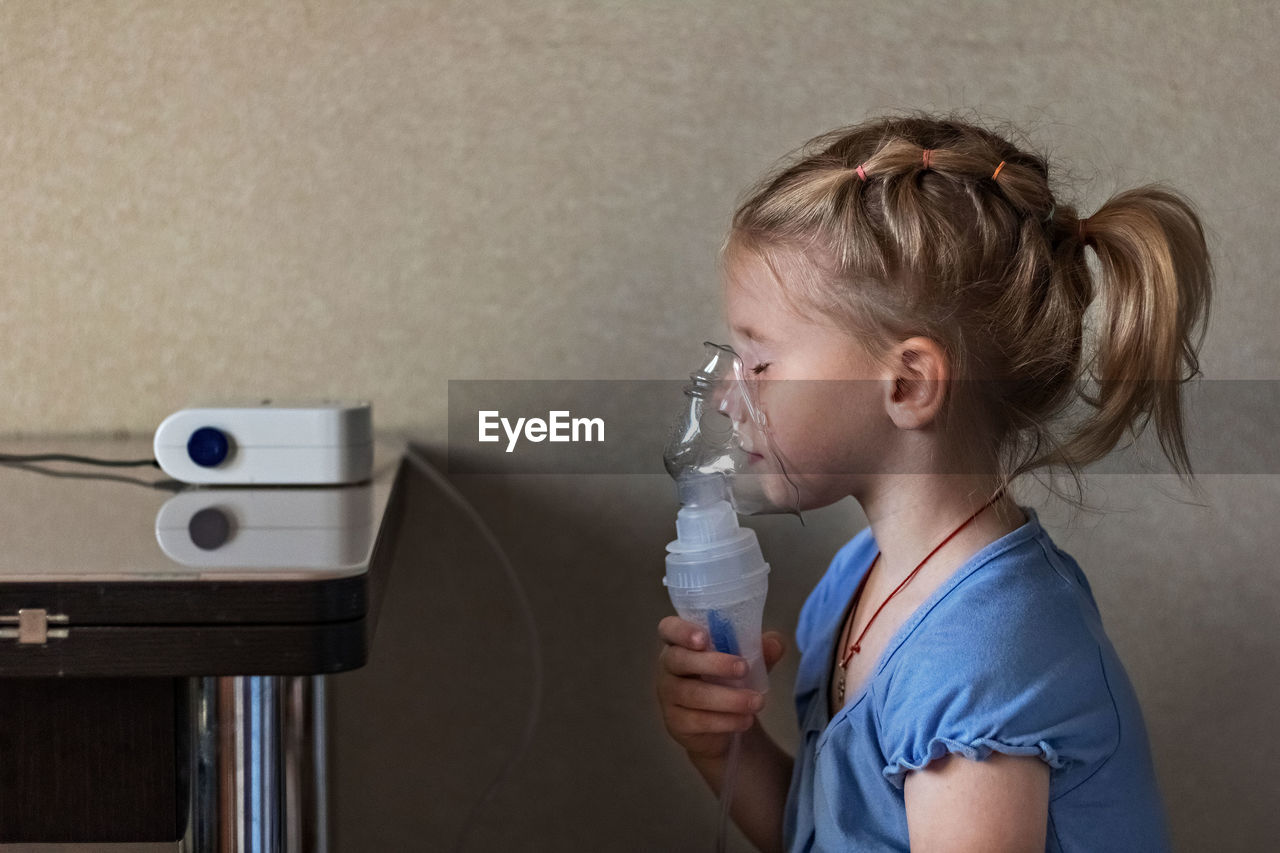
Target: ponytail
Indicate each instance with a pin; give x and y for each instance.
(1156, 279)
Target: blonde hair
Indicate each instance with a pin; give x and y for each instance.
(988, 262)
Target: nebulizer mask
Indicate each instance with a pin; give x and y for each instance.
(724, 462)
(720, 454)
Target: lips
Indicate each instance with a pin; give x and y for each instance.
(747, 444)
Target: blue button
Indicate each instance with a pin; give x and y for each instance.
(208, 447)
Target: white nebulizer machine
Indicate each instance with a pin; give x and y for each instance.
(720, 454)
(270, 443)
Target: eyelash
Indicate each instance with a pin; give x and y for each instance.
(761, 368)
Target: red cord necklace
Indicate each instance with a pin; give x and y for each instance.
(856, 645)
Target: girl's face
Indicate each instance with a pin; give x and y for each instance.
(822, 397)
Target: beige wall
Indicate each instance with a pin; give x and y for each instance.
(307, 199)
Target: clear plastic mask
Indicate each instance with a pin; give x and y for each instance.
(720, 447)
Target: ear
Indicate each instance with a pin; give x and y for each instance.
(917, 374)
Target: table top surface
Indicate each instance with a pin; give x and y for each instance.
(124, 572)
(69, 522)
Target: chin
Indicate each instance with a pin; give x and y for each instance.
(787, 494)
(819, 502)
(820, 494)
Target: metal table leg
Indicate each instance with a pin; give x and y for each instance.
(257, 765)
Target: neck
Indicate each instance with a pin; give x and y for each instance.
(910, 514)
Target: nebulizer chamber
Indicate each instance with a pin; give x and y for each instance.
(717, 578)
(716, 574)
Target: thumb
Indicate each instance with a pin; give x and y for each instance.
(773, 647)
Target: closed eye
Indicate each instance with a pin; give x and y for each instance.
(760, 368)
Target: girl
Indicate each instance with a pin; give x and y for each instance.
(956, 690)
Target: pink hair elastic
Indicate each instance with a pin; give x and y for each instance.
(927, 153)
(861, 174)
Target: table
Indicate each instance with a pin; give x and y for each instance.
(163, 648)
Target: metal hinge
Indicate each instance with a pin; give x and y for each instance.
(33, 627)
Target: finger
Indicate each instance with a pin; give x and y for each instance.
(676, 631)
(773, 647)
(704, 696)
(684, 662)
(693, 721)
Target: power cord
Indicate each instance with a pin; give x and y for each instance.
(13, 459)
(32, 462)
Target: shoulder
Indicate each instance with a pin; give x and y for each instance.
(1019, 605)
(1011, 616)
(1007, 661)
(829, 592)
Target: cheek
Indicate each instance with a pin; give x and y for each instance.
(804, 427)
(804, 400)
(823, 428)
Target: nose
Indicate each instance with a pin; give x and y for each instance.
(729, 402)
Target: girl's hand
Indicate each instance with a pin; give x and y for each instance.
(699, 715)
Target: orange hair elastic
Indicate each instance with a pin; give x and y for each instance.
(927, 152)
(997, 172)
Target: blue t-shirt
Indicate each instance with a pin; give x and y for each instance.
(1010, 655)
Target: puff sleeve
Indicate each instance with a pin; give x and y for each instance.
(1020, 673)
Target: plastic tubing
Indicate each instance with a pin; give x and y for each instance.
(726, 791)
(535, 642)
